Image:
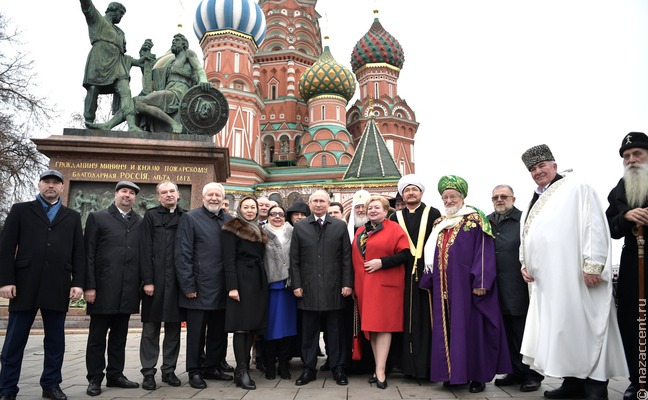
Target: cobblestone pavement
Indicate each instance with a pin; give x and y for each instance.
(74, 381)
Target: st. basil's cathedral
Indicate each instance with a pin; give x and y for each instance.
(289, 131)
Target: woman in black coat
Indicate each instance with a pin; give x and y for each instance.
(247, 284)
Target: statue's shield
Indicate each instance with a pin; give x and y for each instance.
(203, 112)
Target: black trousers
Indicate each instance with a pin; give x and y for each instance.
(116, 327)
(205, 330)
(17, 333)
(514, 327)
(334, 327)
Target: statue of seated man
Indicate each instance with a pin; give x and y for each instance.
(174, 78)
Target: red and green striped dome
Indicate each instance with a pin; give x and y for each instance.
(377, 46)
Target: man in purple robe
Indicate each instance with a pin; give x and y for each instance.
(468, 337)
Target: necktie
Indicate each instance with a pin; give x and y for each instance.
(320, 221)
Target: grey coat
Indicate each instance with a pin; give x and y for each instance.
(199, 259)
(277, 255)
(320, 263)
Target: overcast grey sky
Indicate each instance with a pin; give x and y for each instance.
(486, 79)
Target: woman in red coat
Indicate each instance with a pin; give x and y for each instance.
(379, 250)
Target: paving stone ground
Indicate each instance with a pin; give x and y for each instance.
(74, 381)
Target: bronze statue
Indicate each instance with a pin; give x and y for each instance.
(171, 81)
(107, 67)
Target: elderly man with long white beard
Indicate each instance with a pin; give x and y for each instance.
(571, 329)
(628, 210)
(358, 215)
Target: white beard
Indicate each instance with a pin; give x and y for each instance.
(212, 208)
(636, 185)
(360, 221)
(450, 211)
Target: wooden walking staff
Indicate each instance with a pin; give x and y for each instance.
(639, 232)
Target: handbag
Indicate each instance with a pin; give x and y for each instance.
(356, 351)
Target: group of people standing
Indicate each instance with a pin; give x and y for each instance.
(455, 298)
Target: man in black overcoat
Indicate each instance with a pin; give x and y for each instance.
(513, 292)
(42, 265)
(201, 280)
(322, 276)
(160, 287)
(112, 286)
(628, 209)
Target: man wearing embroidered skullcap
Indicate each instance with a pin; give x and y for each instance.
(571, 328)
(411, 349)
(627, 211)
(468, 339)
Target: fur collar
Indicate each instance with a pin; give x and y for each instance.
(244, 231)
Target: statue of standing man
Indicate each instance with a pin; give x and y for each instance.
(107, 68)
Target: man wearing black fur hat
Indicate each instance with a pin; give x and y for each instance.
(628, 211)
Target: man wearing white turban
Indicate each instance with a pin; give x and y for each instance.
(416, 219)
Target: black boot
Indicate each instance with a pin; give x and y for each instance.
(242, 344)
(270, 359)
(596, 390)
(283, 354)
(571, 388)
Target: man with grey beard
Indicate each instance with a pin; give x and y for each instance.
(627, 211)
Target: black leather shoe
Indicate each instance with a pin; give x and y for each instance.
(631, 392)
(122, 382)
(476, 387)
(373, 379)
(565, 392)
(197, 382)
(529, 385)
(149, 382)
(340, 377)
(94, 389)
(225, 367)
(306, 377)
(508, 380)
(171, 379)
(54, 393)
(217, 375)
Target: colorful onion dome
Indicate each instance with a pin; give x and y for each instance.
(327, 76)
(241, 15)
(377, 46)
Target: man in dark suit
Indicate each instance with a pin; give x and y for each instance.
(322, 276)
(160, 287)
(201, 281)
(42, 265)
(112, 286)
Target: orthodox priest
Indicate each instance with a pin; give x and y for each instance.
(468, 336)
(411, 349)
(627, 211)
(571, 328)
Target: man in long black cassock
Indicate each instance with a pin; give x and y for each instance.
(413, 351)
(627, 210)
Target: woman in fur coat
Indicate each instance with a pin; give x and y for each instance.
(246, 308)
(282, 306)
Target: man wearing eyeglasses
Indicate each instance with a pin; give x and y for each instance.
(513, 291)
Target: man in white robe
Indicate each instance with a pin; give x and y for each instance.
(571, 329)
